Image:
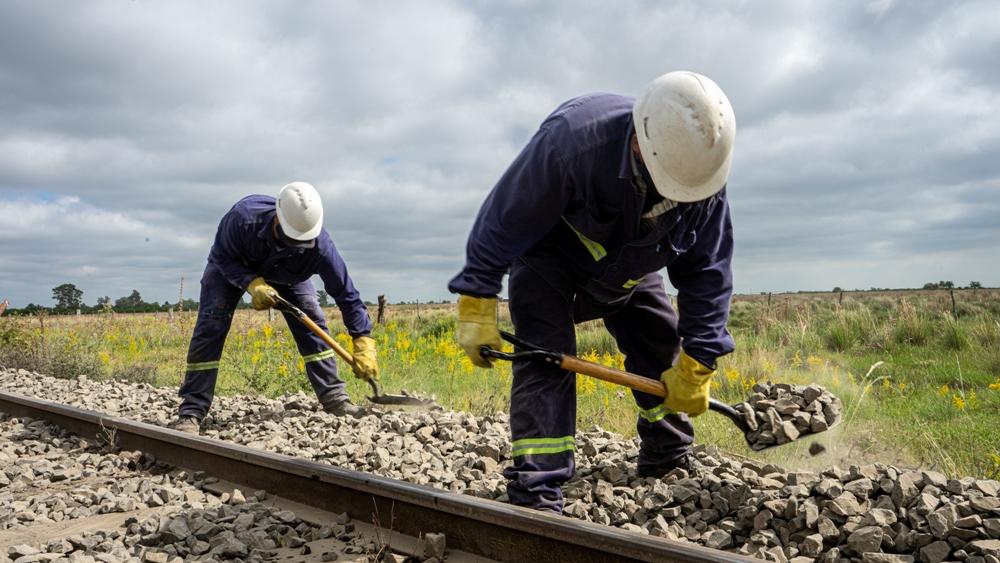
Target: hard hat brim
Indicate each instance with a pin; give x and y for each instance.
(671, 189)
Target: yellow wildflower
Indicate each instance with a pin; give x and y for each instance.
(996, 385)
(958, 401)
(467, 366)
(732, 374)
(608, 360)
(944, 390)
(343, 339)
(619, 360)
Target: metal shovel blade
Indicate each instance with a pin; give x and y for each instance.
(380, 398)
(736, 417)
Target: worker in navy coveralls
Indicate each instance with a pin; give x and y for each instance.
(270, 246)
(608, 192)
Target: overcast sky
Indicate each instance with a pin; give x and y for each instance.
(867, 148)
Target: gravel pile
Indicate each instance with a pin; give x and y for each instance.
(779, 413)
(250, 531)
(870, 513)
(49, 476)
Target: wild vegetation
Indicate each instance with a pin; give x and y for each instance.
(919, 374)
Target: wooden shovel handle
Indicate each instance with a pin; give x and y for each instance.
(347, 357)
(637, 382)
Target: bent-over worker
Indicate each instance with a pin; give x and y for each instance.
(608, 192)
(268, 246)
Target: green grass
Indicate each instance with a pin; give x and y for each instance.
(929, 402)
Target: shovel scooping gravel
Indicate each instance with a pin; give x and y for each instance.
(378, 398)
(775, 415)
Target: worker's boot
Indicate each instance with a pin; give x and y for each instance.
(657, 471)
(186, 424)
(342, 406)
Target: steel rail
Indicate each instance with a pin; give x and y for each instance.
(483, 527)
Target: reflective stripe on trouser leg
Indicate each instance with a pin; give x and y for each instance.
(646, 332)
(320, 361)
(543, 397)
(215, 315)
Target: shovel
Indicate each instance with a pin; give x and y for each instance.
(531, 352)
(379, 398)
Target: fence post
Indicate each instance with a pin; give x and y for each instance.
(954, 307)
(180, 297)
(381, 310)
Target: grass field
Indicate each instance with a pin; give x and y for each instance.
(933, 401)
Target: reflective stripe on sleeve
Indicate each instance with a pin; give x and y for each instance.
(657, 413)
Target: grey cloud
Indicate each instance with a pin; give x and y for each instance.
(868, 133)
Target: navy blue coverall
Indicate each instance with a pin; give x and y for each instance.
(244, 249)
(567, 220)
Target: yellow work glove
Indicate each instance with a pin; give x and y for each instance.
(688, 385)
(262, 296)
(477, 326)
(365, 362)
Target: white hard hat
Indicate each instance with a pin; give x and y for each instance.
(300, 211)
(686, 129)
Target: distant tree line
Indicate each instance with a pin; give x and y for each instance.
(69, 300)
(929, 285)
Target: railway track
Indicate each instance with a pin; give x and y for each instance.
(480, 527)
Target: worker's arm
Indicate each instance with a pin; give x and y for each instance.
(226, 252)
(333, 271)
(704, 281)
(524, 206)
